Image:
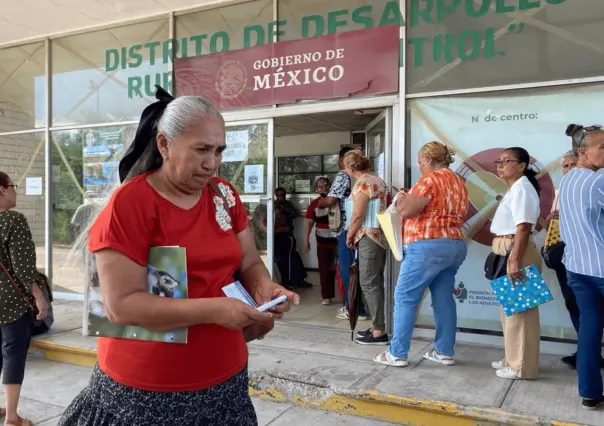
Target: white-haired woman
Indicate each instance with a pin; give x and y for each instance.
(581, 229)
(171, 198)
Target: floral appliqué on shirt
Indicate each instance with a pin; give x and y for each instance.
(222, 215)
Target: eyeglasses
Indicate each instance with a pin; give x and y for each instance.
(12, 184)
(505, 162)
(593, 128)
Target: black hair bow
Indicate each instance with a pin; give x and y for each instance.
(146, 132)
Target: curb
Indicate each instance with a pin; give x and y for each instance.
(64, 353)
(391, 408)
(283, 388)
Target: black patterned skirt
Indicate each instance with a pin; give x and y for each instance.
(105, 402)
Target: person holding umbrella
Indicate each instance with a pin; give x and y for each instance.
(434, 249)
(369, 196)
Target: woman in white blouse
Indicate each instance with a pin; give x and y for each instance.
(514, 219)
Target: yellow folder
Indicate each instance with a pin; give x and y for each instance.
(392, 226)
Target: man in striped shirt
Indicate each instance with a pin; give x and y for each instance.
(582, 230)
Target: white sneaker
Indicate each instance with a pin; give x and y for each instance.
(498, 365)
(441, 359)
(342, 314)
(508, 373)
(326, 302)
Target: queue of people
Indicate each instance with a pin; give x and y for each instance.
(170, 171)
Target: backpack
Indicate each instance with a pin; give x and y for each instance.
(334, 217)
(334, 213)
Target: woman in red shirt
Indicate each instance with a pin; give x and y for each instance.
(326, 244)
(171, 199)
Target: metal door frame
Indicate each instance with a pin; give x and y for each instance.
(266, 197)
(389, 284)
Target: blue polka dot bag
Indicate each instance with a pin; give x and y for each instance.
(520, 297)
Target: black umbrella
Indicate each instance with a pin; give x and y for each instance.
(355, 295)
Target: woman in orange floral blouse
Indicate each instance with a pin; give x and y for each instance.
(434, 249)
(369, 196)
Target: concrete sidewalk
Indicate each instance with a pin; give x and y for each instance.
(322, 368)
(50, 386)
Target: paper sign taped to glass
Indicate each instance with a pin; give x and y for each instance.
(392, 225)
(517, 298)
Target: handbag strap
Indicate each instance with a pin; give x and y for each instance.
(15, 285)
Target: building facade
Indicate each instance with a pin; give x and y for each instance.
(478, 75)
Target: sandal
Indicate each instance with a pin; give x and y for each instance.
(441, 359)
(20, 422)
(386, 358)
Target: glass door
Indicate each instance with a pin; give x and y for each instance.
(248, 164)
(378, 142)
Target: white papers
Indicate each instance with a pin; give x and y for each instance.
(237, 146)
(33, 186)
(253, 179)
(237, 291)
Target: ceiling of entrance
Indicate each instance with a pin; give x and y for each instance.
(25, 19)
(341, 121)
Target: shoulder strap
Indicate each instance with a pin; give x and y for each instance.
(219, 193)
(9, 276)
(15, 285)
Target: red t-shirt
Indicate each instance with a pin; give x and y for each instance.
(319, 215)
(137, 218)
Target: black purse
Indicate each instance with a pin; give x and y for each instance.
(552, 255)
(496, 266)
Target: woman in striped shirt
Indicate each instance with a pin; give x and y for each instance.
(582, 230)
(434, 249)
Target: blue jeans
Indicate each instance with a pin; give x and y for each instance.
(345, 258)
(589, 292)
(427, 264)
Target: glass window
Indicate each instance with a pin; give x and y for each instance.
(22, 87)
(109, 75)
(302, 183)
(244, 162)
(331, 163)
(312, 18)
(308, 163)
(224, 28)
(297, 174)
(84, 164)
(478, 128)
(23, 160)
(469, 44)
(376, 144)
